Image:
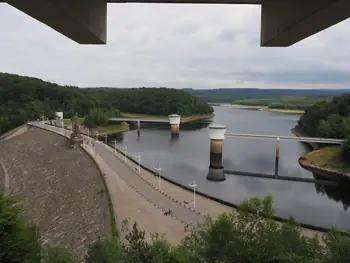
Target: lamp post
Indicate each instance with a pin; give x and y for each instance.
(125, 148)
(139, 160)
(159, 170)
(106, 138)
(115, 146)
(194, 185)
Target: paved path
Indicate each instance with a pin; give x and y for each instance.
(147, 191)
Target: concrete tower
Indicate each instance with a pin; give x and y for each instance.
(216, 169)
(174, 121)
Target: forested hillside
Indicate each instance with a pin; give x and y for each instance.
(159, 101)
(26, 98)
(230, 95)
(328, 118)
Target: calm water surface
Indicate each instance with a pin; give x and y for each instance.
(187, 159)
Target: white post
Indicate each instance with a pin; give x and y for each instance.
(88, 132)
(125, 152)
(139, 158)
(194, 185)
(159, 170)
(115, 146)
(106, 138)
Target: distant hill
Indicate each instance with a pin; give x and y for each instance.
(230, 95)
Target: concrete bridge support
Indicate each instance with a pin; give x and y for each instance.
(285, 22)
(138, 128)
(216, 169)
(174, 121)
(84, 21)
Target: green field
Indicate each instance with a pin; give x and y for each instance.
(284, 103)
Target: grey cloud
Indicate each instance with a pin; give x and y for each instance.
(198, 46)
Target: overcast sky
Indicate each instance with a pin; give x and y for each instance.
(177, 46)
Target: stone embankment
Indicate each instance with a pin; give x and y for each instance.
(60, 188)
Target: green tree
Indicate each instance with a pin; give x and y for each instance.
(59, 255)
(19, 243)
(105, 251)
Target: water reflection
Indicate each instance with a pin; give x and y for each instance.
(338, 193)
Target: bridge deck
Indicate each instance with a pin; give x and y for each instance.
(301, 139)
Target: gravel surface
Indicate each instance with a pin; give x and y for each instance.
(60, 188)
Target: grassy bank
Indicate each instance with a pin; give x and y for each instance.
(69, 121)
(113, 128)
(264, 108)
(329, 158)
(140, 115)
(196, 117)
(282, 110)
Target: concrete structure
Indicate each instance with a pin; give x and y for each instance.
(216, 169)
(283, 22)
(174, 121)
(59, 119)
(138, 128)
(59, 115)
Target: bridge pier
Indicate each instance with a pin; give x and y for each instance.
(277, 156)
(138, 128)
(174, 121)
(216, 169)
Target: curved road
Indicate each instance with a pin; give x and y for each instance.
(148, 192)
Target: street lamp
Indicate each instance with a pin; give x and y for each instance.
(159, 170)
(139, 160)
(194, 185)
(125, 148)
(115, 146)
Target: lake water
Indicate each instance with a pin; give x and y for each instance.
(187, 159)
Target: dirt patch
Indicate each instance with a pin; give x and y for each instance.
(60, 188)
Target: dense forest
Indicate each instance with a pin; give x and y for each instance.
(327, 118)
(285, 102)
(158, 101)
(26, 98)
(230, 95)
(236, 237)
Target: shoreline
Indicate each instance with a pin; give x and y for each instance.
(304, 162)
(263, 108)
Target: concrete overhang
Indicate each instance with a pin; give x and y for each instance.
(283, 22)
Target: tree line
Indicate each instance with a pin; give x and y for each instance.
(236, 237)
(284, 102)
(327, 118)
(25, 98)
